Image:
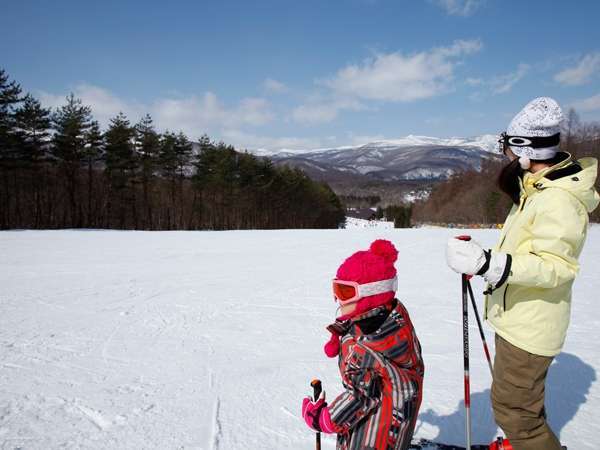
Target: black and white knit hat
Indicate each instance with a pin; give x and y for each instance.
(534, 133)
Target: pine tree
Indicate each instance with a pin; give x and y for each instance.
(121, 165)
(32, 130)
(168, 170)
(199, 178)
(71, 124)
(147, 147)
(183, 155)
(168, 155)
(10, 96)
(59, 170)
(32, 133)
(92, 155)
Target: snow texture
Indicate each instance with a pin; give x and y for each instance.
(208, 340)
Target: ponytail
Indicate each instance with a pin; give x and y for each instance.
(508, 180)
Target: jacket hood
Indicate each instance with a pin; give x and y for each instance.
(580, 184)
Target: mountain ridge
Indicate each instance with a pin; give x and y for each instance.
(413, 158)
(487, 142)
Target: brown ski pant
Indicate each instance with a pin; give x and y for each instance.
(518, 397)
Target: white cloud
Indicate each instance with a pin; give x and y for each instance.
(194, 115)
(105, 105)
(323, 111)
(499, 84)
(366, 139)
(274, 86)
(588, 104)
(392, 77)
(476, 97)
(396, 77)
(243, 140)
(315, 113)
(459, 7)
(504, 83)
(474, 81)
(583, 72)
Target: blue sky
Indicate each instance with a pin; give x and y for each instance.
(307, 73)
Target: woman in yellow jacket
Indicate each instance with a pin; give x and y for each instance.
(530, 272)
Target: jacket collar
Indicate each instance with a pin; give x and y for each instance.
(530, 180)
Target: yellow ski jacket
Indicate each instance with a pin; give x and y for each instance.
(544, 236)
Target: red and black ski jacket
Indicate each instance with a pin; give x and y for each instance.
(382, 372)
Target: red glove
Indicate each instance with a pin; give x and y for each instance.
(316, 415)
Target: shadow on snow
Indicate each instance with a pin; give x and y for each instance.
(567, 386)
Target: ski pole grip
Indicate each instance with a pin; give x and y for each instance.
(317, 388)
(465, 237)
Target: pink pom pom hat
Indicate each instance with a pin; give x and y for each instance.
(363, 273)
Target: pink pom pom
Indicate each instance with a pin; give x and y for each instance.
(385, 249)
(332, 348)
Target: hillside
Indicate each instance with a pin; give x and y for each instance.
(396, 170)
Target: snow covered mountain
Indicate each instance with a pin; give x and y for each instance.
(407, 159)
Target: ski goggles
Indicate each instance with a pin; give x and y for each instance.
(507, 140)
(345, 292)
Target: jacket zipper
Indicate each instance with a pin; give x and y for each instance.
(521, 208)
(522, 202)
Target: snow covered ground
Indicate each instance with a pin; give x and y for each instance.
(208, 340)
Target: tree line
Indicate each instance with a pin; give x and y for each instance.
(401, 215)
(59, 169)
(360, 201)
(474, 197)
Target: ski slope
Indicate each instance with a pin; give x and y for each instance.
(208, 340)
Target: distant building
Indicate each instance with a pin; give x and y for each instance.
(362, 213)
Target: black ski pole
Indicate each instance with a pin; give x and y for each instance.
(485, 346)
(316, 385)
(467, 383)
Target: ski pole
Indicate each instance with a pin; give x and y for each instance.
(500, 443)
(316, 385)
(465, 307)
(467, 384)
(485, 346)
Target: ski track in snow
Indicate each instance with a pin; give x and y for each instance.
(216, 426)
(208, 340)
(95, 417)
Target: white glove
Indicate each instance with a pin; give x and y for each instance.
(464, 256)
(499, 268)
(469, 258)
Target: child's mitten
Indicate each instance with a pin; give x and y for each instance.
(316, 415)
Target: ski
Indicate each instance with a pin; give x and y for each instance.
(426, 444)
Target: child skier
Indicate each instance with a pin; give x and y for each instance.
(379, 358)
